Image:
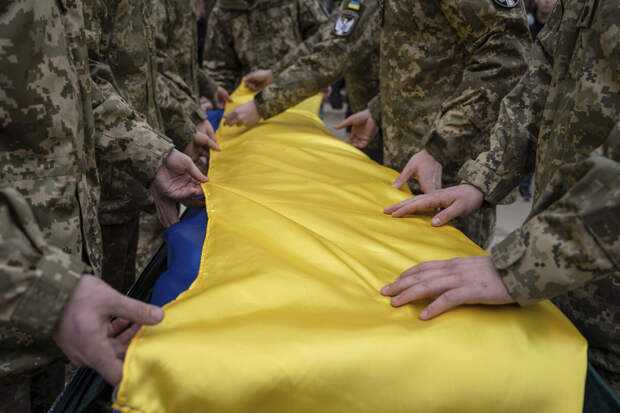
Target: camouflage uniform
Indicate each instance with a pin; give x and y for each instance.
(445, 66)
(245, 35)
(325, 58)
(49, 186)
(121, 49)
(177, 66)
(563, 109)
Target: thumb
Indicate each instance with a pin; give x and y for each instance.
(347, 122)
(195, 172)
(403, 177)
(136, 311)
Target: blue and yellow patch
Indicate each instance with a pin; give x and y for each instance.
(354, 5)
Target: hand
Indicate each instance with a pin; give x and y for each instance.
(327, 93)
(206, 106)
(458, 200)
(258, 79)
(86, 335)
(220, 97)
(425, 169)
(205, 137)
(454, 282)
(363, 128)
(178, 179)
(246, 114)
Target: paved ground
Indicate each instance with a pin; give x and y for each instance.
(509, 217)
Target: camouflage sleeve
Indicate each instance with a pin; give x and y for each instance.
(37, 278)
(327, 59)
(178, 109)
(513, 139)
(498, 41)
(206, 85)
(375, 108)
(123, 138)
(573, 235)
(221, 63)
(311, 17)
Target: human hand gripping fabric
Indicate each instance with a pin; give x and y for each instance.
(454, 282)
(246, 114)
(220, 97)
(457, 200)
(86, 335)
(363, 128)
(258, 79)
(425, 169)
(177, 180)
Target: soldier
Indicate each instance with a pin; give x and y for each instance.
(49, 190)
(313, 66)
(121, 50)
(565, 107)
(445, 67)
(245, 35)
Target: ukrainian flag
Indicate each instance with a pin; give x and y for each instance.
(354, 5)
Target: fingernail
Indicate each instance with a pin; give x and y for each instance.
(384, 290)
(424, 314)
(157, 314)
(436, 221)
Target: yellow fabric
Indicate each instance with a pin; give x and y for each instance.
(286, 315)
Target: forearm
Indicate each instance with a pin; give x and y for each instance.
(39, 278)
(206, 85)
(123, 138)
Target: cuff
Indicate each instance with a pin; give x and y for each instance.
(432, 146)
(481, 176)
(40, 306)
(160, 150)
(506, 256)
(262, 107)
(198, 116)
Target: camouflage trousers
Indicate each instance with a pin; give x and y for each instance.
(35, 393)
(149, 240)
(478, 226)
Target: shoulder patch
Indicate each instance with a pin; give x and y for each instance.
(509, 4)
(353, 5)
(347, 19)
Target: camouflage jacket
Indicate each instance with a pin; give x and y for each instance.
(326, 57)
(177, 81)
(563, 109)
(245, 35)
(121, 53)
(48, 178)
(445, 66)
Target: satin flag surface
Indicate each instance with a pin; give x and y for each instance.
(286, 315)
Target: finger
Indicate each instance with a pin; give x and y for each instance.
(446, 215)
(431, 287)
(392, 208)
(419, 203)
(404, 282)
(116, 326)
(446, 301)
(227, 97)
(203, 140)
(347, 122)
(126, 336)
(194, 172)
(134, 310)
(230, 118)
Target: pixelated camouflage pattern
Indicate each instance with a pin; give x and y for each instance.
(565, 107)
(177, 66)
(323, 59)
(37, 280)
(246, 35)
(445, 66)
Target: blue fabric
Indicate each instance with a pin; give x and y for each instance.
(184, 240)
(215, 117)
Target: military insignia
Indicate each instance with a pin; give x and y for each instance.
(345, 23)
(509, 4)
(353, 5)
